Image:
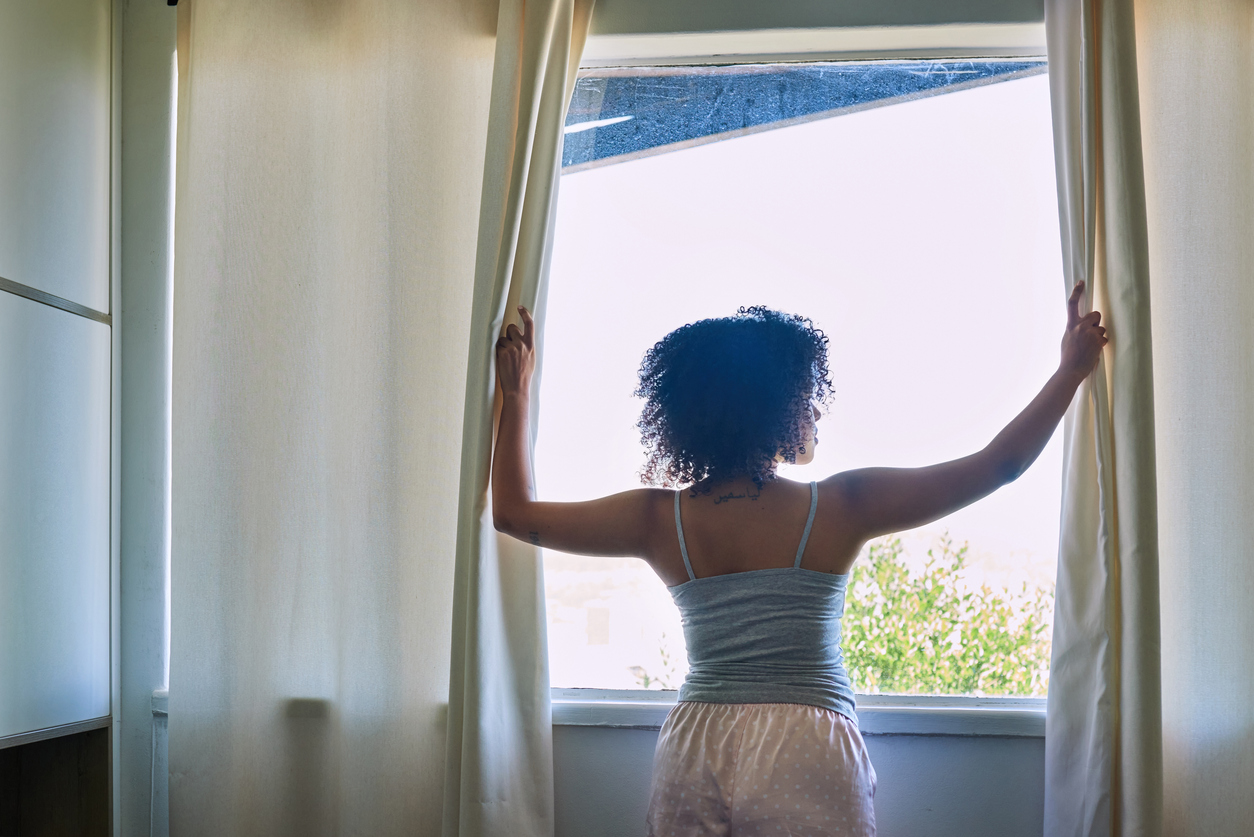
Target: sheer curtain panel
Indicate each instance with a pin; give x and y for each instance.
(500, 739)
(329, 169)
(1103, 745)
(1196, 60)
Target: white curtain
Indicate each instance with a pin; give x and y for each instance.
(500, 750)
(329, 172)
(1103, 747)
(1196, 66)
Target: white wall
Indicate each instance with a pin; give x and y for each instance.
(938, 786)
(55, 402)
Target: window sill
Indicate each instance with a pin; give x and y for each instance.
(877, 714)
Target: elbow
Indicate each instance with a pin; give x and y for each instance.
(502, 522)
(507, 523)
(1009, 470)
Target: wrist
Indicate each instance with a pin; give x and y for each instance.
(1071, 377)
(522, 393)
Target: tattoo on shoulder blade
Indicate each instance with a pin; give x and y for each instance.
(534, 537)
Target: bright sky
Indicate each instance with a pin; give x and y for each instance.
(921, 237)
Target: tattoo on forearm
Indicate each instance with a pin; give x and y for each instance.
(534, 537)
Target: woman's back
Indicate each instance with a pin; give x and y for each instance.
(738, 526)
(765, 634)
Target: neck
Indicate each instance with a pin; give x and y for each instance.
(737, 482)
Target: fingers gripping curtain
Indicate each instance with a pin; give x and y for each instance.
(499, 776)
(1103, 751)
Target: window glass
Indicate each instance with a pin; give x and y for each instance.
(909, 209)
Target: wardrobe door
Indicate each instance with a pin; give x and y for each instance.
(54, 516)
(54, 147)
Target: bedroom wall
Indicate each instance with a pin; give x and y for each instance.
(938, 786)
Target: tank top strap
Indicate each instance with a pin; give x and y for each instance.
(683, 548)
(805, 536)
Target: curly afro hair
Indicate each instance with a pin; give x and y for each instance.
(724, 396)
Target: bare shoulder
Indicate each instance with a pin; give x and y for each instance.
(840, 490)
(658, 524)
(844, 531)
(652, 508)
(654, 498)
(846, 486)
(658, 504)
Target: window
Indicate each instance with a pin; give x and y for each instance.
(909, 209)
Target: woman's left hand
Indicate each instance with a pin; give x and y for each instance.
(516, 355)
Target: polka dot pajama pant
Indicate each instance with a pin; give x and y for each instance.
(769, 769)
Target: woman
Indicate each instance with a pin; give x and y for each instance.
(764, 739)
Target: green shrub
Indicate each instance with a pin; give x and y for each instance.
(923, 633)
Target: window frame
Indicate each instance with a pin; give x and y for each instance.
(1005, 717)
(783, 46)
(878, 714)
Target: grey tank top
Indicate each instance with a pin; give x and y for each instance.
(765, 636)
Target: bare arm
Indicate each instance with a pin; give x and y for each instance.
(614, 525)
(878, 501)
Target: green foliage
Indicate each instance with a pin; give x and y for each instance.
(927, 634)
(669, 677)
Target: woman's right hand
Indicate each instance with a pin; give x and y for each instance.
(516, 355)
(1084, 338)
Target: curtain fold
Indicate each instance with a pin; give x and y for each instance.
(1103, 750)
(499, 763)
(329, 165)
